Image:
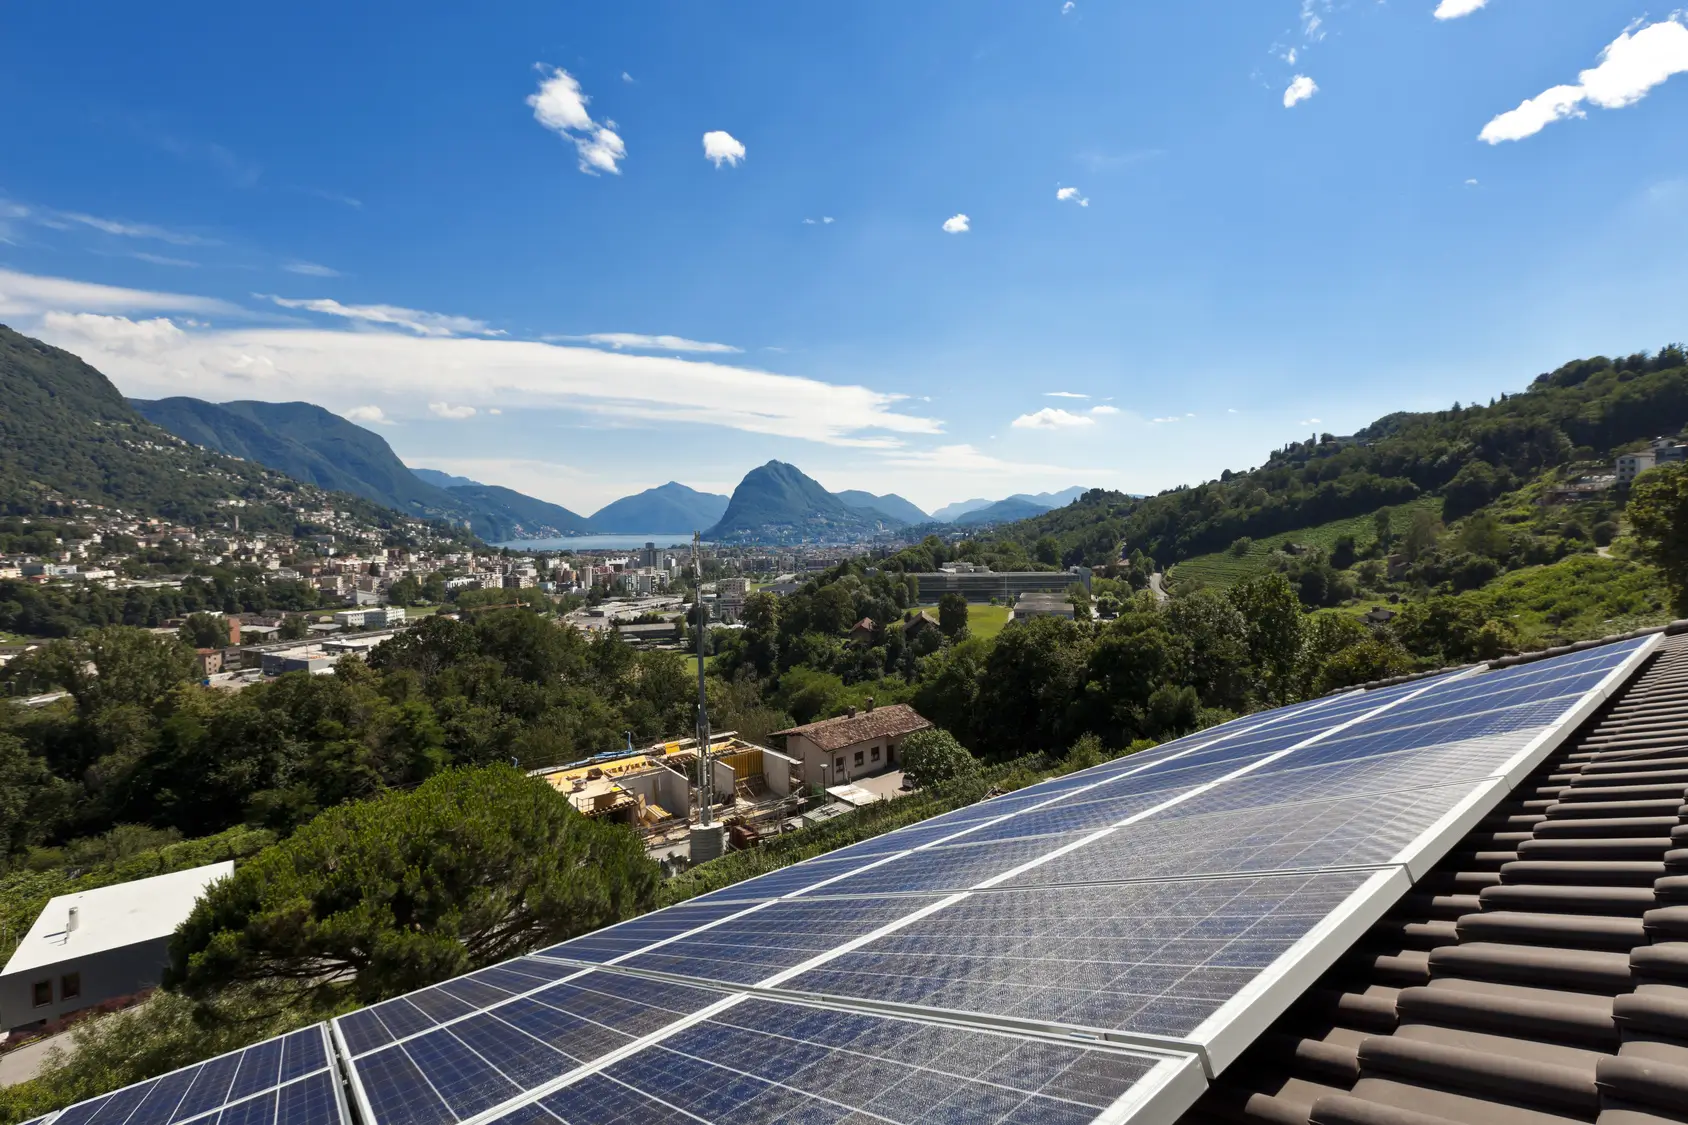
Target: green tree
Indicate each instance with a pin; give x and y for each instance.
(405, 591)
(933, 757)
(205, 630)
(118, 665)
(1033, 686)
(952, 615)
(1047, 551)
(294, 627)
(383, 896)
(1383, 526)
(1658, 511)
(1240, 546)
(1421, 534)
(1482, 534)
(1272, 615)
(762, 633)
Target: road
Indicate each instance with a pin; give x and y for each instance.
(1157, 584)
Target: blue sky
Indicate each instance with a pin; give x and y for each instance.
(501, 238)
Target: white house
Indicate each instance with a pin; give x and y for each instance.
(98, 945)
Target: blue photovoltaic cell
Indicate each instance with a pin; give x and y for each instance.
(472, 1065)
(368, 1028)
(1306, 836)
(762, 1062)
(229, 1088)
(952, 867)
(750, 948)
(614, 941)
(1149, 957)
(787, 880)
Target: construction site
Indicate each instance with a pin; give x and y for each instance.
(658, 792)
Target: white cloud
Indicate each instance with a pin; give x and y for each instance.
(163, 260)
(118, 333)
(1067, 8)
(1104, 409)
(272, 362)
(372, 414)
(639, 342)
(1470, 183)
(722, 148)
(1071, 194)
(560, 106)
(1299, 90)
(1312, 23)
(1454, 9)
(957, 224)
(827, 219)
(1629, 67)
(1051, 418)
(1064, 394)
(23, 294)
(455, 413)
(129, 230)
(625, 77)
(1163, 421)
(1231, 410)
(310, 269)
(420, 322)
(1308, 422)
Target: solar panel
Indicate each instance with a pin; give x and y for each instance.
(284, 1081)
(766, 1060)
(1084, 949)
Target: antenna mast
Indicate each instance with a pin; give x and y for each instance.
(706, 796)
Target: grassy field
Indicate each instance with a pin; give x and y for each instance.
(1222, 568)
(982, 620)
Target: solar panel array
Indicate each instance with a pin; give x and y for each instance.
(1089, 948)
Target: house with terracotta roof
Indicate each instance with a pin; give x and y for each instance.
(855, 744)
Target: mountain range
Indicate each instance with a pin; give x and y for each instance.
(776, 500)
(311, 444)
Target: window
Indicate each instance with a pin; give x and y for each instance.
(858, 757)
(839, 762)
(70, 986)
(876, 753)
(43, 993)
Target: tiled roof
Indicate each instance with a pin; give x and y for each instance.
(890, 721)
(1538, 975)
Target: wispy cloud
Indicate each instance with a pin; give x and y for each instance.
(1308, 422)
(334, 197)
(636, 341)
(1104, 409)
(1051, 418)
(1454, 9)
(1067, 8)
(454, 413)
(720, 147)
(560, 106)
(310, 269)
(1630, 66)
(1299, 90)
(1071, 195)
(625, 77)
(24, 294)
(163, 260)
(824, 220)
(1064, 394)
(122, 228)
(343, 369)
(957, 224)
(415, 320)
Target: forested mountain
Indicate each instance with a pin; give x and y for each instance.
(67, 434)
(442, 480)
(1003, 511)
(668, 507)
(777, 502)
(312, 444)
(1567, 422)
(891, 506)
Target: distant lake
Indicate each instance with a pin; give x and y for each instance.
(627, 542)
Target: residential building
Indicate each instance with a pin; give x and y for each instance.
(93, 946)
(916, 624)
(856, 744)
(372, 617)
(861, 633)
(210, 661)
(1632, 465)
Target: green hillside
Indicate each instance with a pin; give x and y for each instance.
(1222, 568)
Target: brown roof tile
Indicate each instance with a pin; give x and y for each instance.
(890, 721)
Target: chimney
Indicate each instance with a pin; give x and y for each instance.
(850, 711)
(870, 705)
(75, 916)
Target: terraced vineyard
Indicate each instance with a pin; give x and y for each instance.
(1222, 568)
